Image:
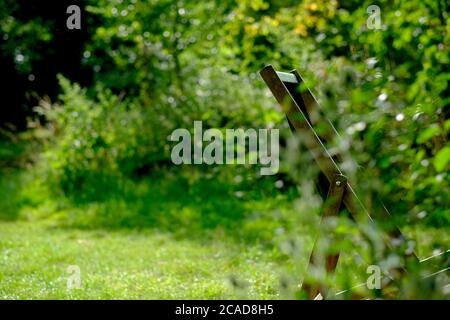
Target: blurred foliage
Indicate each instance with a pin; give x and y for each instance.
(22, 40)
(158, 65)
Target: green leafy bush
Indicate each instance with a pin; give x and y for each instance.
(96, 141)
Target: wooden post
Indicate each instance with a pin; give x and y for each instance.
(332, 208)
(303, 114)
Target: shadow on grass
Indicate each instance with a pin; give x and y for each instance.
(188, 202)
(194, 205)
(9, 196)
(12, 161)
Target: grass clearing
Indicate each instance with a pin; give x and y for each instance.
(186, 236)
(34, 258)
(159, 239)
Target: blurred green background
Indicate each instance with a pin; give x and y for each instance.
(85, 172)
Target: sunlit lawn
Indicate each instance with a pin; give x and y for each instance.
(157, 241)
(34, 258)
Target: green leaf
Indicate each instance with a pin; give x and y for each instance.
(428, 133)
(447, 125)
(442, 159)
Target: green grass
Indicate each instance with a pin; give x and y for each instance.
(34, 258)
(174, 235)
(159, 238)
